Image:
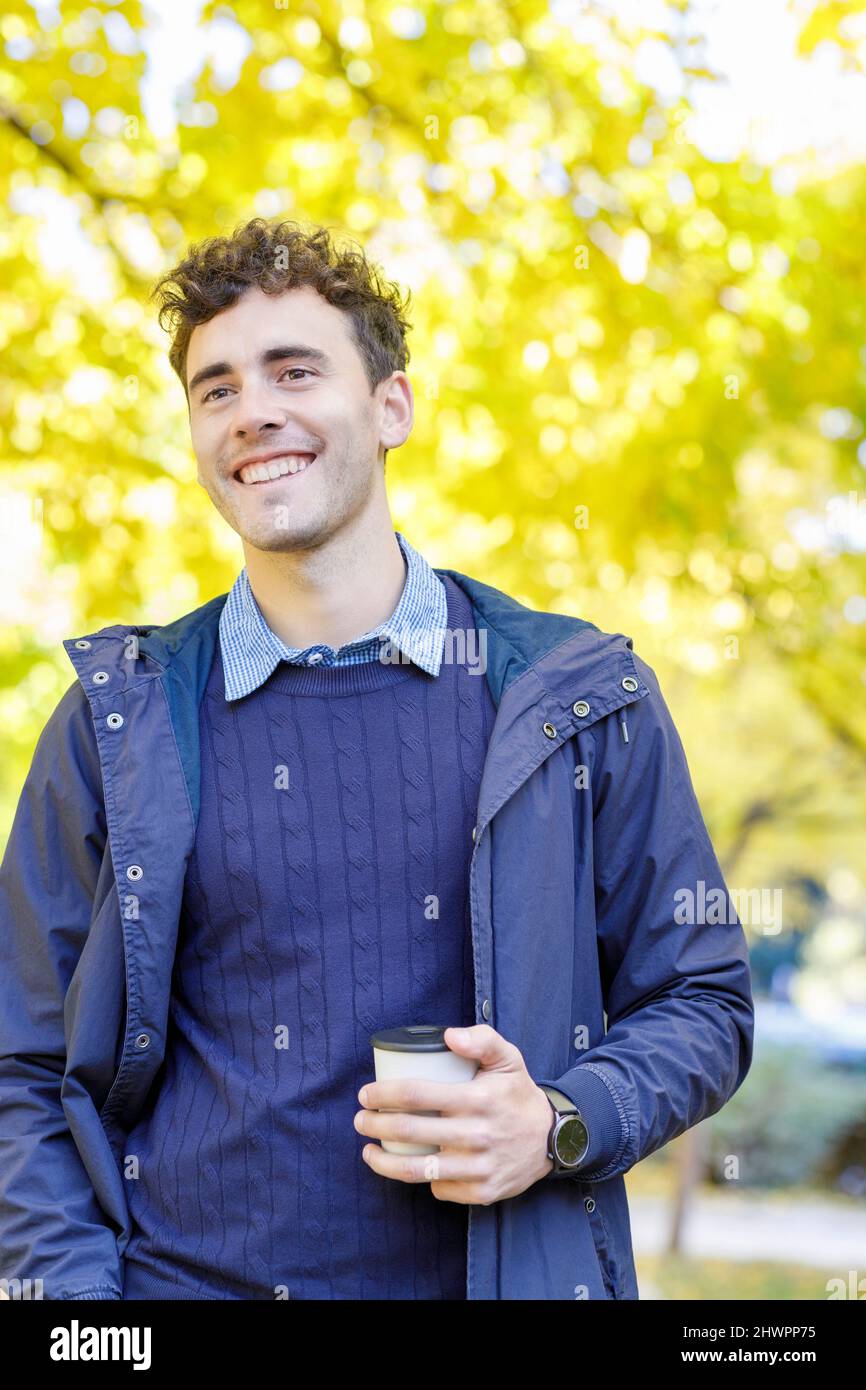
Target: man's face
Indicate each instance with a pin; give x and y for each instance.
(285, 378)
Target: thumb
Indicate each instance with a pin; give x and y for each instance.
(483, 1043)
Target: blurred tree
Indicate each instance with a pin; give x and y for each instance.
(639, 374)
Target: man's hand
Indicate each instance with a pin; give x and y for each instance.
(492, 1131)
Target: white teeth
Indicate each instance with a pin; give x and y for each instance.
(276, 468)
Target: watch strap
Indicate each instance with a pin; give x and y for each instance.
(560, 1102)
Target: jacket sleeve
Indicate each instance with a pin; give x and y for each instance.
(673, 955)
(51, 1225)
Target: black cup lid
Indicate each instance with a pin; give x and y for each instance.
(419, 1037)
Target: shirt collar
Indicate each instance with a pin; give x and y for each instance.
(251, 650)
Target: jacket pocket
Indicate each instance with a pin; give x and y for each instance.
(604, 1253)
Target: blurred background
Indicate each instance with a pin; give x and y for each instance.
(633, 233)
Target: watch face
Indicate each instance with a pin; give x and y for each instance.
(571, 1140)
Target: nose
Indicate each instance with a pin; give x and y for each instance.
(257, 412)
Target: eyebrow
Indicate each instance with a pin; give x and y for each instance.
(274, 354)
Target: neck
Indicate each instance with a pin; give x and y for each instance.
(333, 593)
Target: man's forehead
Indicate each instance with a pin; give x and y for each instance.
(299, 314)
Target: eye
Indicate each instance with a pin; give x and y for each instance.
(214, 389)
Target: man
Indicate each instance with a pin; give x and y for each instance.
(356, 793)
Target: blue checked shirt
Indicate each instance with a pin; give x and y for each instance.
(250, 650)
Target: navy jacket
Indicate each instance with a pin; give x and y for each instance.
(587, 842)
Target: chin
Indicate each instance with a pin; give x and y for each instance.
(273, 541)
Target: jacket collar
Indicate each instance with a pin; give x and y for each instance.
(518, 638)
(546, 662)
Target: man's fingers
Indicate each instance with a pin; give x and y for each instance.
(415, 1168)
(452, 1098)
(421, 1129)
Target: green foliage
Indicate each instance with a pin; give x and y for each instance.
(785, 1119)
(677, 1278)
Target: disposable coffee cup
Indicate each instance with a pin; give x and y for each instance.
(417, 1053)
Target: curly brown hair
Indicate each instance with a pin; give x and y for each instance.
(277, 257)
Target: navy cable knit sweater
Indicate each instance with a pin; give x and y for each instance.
(326, 897)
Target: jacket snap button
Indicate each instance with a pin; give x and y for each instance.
(549, 729)
(629, 683)
(142, 1040)
(474, 828)
(590, 1204)
(580, 708)
(82, 645)
(114, 721)
(100, 677)
(486, 1010)
(135, 872)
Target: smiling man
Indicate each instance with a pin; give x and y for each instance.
(290, 439)
(299, 816)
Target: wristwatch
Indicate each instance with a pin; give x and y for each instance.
(568, 1140)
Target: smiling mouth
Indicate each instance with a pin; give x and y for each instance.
(287, 465)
